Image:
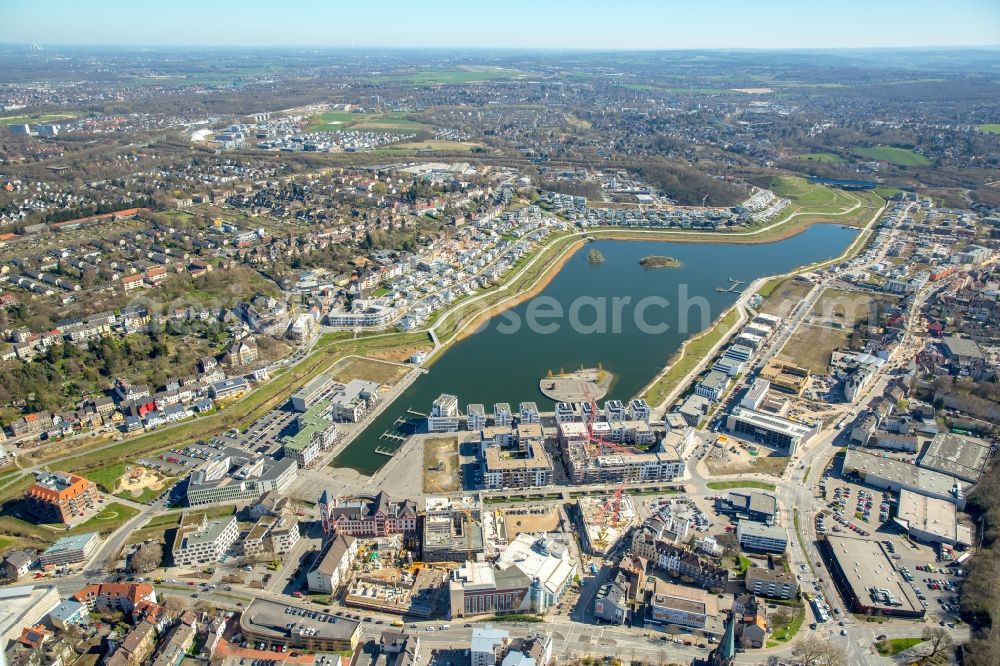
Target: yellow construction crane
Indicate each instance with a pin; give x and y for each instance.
(466, 529)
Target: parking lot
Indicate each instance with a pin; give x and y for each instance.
(854, 507)
(936, 584)
(182, 460)
(858, 510)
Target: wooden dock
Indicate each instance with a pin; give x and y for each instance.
(392, 436)
(416, 413)
(384, 452)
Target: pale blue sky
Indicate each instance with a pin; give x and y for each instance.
(560, 24)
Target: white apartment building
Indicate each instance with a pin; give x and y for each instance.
(200, 541)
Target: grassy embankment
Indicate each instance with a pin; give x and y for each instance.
(747, 483)
(688, 356)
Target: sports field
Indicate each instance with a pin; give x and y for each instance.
(990, 128)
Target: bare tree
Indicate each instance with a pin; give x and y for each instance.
(146, 558)
(781, 618)
(176, 604)
(814, 651)
(939, 640)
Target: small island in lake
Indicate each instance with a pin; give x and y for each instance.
(578, 386)
(595, 257)
(655, 261)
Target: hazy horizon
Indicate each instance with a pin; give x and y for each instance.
(586, 25)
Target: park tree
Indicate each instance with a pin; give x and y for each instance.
(939, 641)
(148, 557)
(814, 651)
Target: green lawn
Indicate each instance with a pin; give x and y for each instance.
(108, 519)
(892, 155)
(105, 477)
(155, 528)
(746, 483)
(893, 646)
(827, 158)
(886, 192)
(990, 128)
(786, 634)
(812, 196)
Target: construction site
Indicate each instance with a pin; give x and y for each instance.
(455, 530)
(415, 591)
(610, 451)
(604, 521)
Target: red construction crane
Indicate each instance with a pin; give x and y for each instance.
(595, 443)
(614, 504)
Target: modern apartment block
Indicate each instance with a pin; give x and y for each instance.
(771, 583)
(236, 476)
(444, 416)
(60, 497)
(760, 537)
(200, 541)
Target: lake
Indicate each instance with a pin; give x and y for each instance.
(503, 362)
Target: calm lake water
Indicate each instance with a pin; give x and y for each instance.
(498, 364)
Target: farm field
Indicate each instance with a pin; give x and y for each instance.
(461, 75)
(893, 155)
